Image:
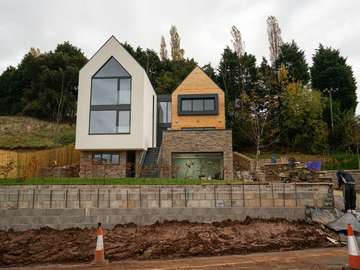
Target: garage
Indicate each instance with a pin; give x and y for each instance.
(198, 165)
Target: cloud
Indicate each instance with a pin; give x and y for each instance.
(204, 25)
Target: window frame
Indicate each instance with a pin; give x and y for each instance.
(95, 162)
(166, 113)
(111, 107)
(203, 97)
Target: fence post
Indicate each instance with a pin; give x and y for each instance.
(296, 200)
(51, 198)
(231, 195)
(140, 199)
(79, 195)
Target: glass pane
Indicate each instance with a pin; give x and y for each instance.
(124, 97)
(103, 122)
(169, 112)
(115, 159)
(186, 105)
(125, 84)
(97, 157)
(209, 104)
(198, 105)
(112, 68)
(104, 92)
(124, 122)
(162, 112)
(106, 158)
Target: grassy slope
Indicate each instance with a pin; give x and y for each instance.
(26, 132)
(109, 181)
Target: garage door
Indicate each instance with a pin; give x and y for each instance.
(198, 165)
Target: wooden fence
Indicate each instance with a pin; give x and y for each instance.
(28, 163)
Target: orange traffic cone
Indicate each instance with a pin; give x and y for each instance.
(354, 253)
(99, 251)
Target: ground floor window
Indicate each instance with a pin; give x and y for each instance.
(198, 165)
(106, 158)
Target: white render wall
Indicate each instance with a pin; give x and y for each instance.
(139, 137)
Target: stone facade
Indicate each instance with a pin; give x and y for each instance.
(196, 141)
(90, 169)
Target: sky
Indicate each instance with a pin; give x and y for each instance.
(204, 26)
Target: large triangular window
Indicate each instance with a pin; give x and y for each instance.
(110, 99)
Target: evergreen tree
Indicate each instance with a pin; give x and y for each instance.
(294, 60)
(330, 71)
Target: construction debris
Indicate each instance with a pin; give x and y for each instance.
(170, 239)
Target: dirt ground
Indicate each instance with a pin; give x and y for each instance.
(168, 240)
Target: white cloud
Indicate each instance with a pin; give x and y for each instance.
(204, 25)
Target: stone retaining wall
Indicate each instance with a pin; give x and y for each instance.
(201, 196)
(26, 219)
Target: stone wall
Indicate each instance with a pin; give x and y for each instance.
(201, 196)
(26, 219)
(91, 169)
(242, 163)
(196, 141)
(332, 175)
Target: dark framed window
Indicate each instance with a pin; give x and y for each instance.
(164, 112)
(198, 104)
(110, 100)
(106, 158)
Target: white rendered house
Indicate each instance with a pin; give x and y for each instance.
(116, 113)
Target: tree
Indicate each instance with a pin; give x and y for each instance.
(176, 52)
(330, 71)
(44, 85)
(210, 71)
(163, 50)
(238, 43)
(303, 126)
(294, 60)
(274, 37)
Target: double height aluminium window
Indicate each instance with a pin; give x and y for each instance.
(110, 100)
(198, 104)
(164, 112)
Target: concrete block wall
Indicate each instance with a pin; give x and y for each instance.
(201, 196)
(26, 219)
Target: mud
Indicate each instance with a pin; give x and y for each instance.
(160, 241)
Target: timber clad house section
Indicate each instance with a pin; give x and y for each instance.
(197, 145)
(124, 130)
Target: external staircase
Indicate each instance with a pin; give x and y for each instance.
(150, 166)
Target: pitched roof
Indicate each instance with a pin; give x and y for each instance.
(198, 79)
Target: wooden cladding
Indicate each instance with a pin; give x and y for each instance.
(197, 85)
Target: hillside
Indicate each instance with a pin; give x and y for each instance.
(17, 132)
